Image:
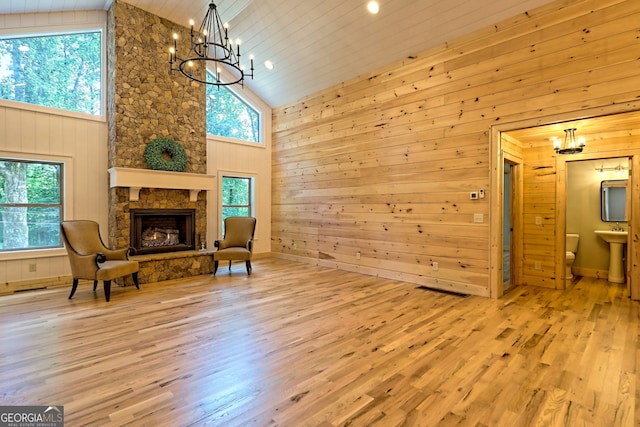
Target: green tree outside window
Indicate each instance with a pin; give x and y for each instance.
(30, 204)
(230, 116)
(236, 197)
(59, 71)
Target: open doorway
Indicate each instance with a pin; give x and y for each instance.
(542, 213)
(507, 229)
(506, 219)
(512, 217)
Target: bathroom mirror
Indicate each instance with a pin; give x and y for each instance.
(613, 200)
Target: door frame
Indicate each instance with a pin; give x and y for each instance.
(496, 224)
(496, 167)
(633, 252)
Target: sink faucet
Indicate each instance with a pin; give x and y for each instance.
(617, 227)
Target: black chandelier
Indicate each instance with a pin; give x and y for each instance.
(570, 144)
(210, 45)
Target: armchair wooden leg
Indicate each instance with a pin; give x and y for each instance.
(248, 267)
(95, 285)
(74, 286)
(215, 267)
(107, 289)
(134, 276)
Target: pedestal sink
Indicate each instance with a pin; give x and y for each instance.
(616, 240)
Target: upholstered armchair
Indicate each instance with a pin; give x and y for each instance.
(237, 243)
(91, 260)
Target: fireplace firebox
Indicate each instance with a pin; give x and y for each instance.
(162, 230)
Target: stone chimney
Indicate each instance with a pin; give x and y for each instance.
(145, 101)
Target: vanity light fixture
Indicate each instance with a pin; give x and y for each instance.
(618, 168)
(570, 145)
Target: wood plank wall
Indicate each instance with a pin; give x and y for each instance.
(382, 165)
(539, 200)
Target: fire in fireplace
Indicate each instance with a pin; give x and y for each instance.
(162, 230)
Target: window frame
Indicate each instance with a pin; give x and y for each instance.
(66, 197)
(16, 32)
(252, 196)
(249, 98)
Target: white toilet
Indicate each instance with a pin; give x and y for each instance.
(571, 243)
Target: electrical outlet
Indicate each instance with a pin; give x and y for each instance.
(32, 267)
(358, 255)
(537, 265)
(478, 217)
(473, 195)
(538, 220)
(435, 266)
(481, 193)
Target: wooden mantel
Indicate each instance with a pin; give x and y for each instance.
(135, 179)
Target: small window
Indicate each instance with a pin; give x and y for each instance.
(30, 204)
(59, 71)
(236, 197)
(230, 116)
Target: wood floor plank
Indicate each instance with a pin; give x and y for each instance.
(298, 345)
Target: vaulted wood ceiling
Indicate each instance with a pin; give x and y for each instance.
(318, 44)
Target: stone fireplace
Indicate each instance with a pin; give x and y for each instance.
(170, 204)
(145, 102)
(162, 230)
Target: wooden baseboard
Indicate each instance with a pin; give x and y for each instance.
(8, 288)
(433, 283)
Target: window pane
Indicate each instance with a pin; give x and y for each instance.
(29, 228)
(30, 204)
(235, 191)
(236, 197)
(59, 71)
(230, 116)
(227, 212)
(43, 183)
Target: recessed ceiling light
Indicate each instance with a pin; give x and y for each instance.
(269, 65)
(373, 7)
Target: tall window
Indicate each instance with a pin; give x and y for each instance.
(60, 71)
(230, 116)
(30, 204)
(236, 197)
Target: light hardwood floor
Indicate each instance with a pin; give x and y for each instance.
(297, 345)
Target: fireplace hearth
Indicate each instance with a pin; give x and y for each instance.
(162, 230)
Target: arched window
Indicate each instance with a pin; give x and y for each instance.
(230, 116)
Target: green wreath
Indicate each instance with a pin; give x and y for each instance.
(159, 149)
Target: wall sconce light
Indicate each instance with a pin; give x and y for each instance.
(570, 145)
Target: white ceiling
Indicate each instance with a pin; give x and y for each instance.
(317, 44)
